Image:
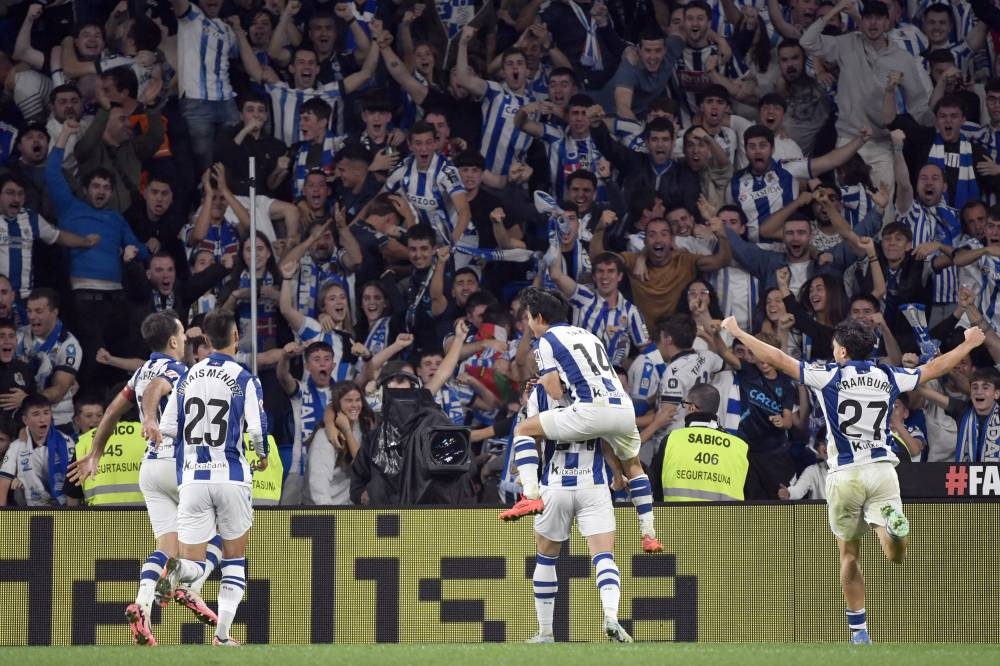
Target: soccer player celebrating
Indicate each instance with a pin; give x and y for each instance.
(150, 386)
(574, 485)
(212, 406)
(599, 408)
(857, 395)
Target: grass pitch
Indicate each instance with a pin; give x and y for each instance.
(491, 654)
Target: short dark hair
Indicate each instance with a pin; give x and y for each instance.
(651, 33)
(467, 270)
(993, 85)
(318, 346)
(987, 374)
(218, 328)
(9, 324)
(940, 57)
(64, 88)
(609, 258)
(98, 172)
(856, 337)
(898, 228)
(789, 43)
(680, 328)
(123, 78)
(317, 107)
(642, 199)
(582, 174)
(353, 152)
(157, 329)
(469, 158)
(11, 177)
(564, 71)
(659, 125)
(940, 8)
(422, 232)
(253, 96)
(950, 102)
(549, 304)
(580, 99)
(664, 104)
(34, 400)
(705, 397)
(422, 127)
(714, 90)
(50, 295)
(773, 99)
(869, 299)
(698, 4)
(758, 132)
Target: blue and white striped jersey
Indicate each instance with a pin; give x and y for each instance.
(857, 400)
(988, 268)
(619, 327)
(158, 366)
(644, 377)
(8, 139)
(568, 465)
(455, 14)
(344, 362)
(582, 363)
(17, 237)
(567, 155)
(936, 223)
(429, 192)
(211, 408)
(286, 103)
(204, 47)
(762, 196)
(739, 293)
(60, 351)
(455, 400)
(502, 141)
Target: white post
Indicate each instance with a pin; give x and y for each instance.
(253, 266)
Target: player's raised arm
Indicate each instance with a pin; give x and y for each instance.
(762, 350)
(943, 364)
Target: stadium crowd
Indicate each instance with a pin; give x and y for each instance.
(663, 165)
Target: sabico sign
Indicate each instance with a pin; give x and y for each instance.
(732, 572)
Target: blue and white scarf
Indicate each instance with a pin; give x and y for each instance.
(977, 443)
(967, 189)
(591, 56)
(330, 146)
(915, 314)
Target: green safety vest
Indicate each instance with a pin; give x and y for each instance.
(703, 463)
(266, 483)
(117, 479)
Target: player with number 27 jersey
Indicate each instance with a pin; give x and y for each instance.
(857, 399)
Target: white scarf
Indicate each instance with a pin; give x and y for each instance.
(591, 56)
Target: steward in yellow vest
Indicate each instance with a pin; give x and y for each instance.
(701, 461)
(117, 478)
(266, 482)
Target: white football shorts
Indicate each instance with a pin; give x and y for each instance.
(591, 507)
(587, 420)
(855, 496)
(158, 483)
(205, 505)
